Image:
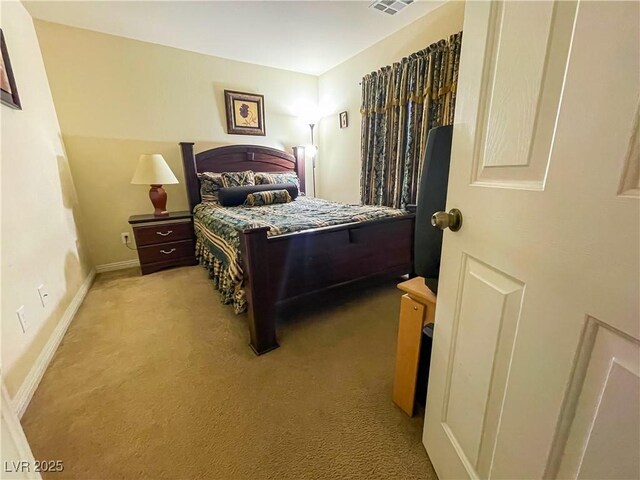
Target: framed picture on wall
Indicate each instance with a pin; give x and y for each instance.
(344, 120)
(245, 113)
(7, 81)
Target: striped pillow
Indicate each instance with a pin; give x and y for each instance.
(267, 197)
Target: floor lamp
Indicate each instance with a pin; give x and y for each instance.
(313, 150)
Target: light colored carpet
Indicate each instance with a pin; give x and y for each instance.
(154, 379)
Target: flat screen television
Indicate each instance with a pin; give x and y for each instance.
(432, 197)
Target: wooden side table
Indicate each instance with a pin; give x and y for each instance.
(417, 308)
(164, 242)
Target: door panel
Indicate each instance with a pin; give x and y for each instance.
(603, 401)
(544, 168)
(526, 52)
(483, 334)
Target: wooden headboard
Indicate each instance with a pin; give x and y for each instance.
(236, 158)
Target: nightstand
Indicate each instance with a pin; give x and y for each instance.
(164, 242)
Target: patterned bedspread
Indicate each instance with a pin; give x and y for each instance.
(218, 239)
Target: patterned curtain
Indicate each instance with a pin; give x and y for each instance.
(400, 103)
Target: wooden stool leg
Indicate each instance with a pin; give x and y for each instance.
(412, 316)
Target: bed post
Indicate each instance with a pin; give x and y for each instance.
(300, 156)
(190, 174)
(261, 304)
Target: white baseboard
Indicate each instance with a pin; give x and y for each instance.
(30, 384)
(110, 267)
(13, 434)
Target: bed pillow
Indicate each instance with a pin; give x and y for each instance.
(233, 196)
(266, 178)
(267, 197)
(210, 184)
(238, 179)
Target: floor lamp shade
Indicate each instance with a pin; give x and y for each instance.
(153, 170)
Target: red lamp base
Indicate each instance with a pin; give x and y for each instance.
(159, 200)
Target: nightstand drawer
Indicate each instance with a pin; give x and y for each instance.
(166, 252)
(162, 233)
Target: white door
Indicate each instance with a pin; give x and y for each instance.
(536, 360)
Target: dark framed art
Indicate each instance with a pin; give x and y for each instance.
(7, 81)
(245, 113)
(344, 119)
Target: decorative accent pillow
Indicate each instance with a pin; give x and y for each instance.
(210, 184)
(265, 178)
(268, 197)
(238, 179)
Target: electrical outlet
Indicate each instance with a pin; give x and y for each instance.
(124, 236)
(44, 295)
(22, 319)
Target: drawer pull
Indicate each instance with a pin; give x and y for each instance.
(164, 234)
(168, 252)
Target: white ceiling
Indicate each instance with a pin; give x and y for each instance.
(303, 36)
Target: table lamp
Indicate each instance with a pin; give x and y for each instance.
(153, 170)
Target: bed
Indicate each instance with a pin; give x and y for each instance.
(274, 253)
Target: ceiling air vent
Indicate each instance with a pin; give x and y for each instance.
(390, 7)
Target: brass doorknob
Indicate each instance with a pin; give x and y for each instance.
(451, 220)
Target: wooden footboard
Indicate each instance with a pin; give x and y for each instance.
(287, 266)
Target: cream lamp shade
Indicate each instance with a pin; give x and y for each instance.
(153, 170)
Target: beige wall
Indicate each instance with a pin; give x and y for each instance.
(117, 98)
(338, 165)
(40, 239)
